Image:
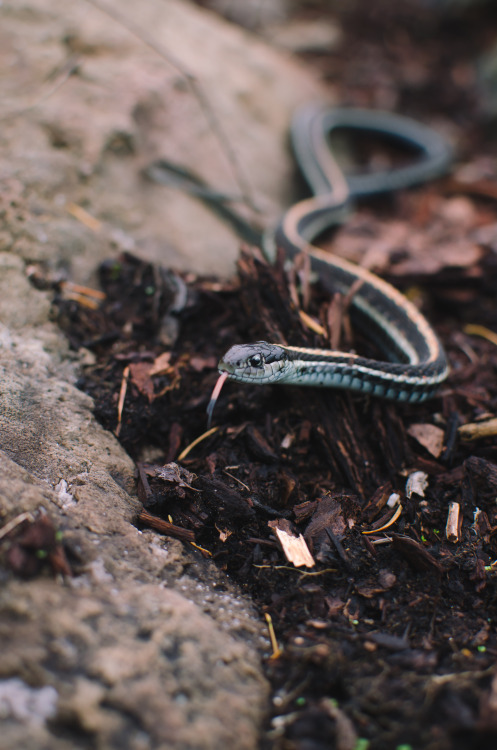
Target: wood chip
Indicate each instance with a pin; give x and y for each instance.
(294, 547)
(478, 430)
(453, 523)
(429, 436)
(416, 554)
(416, 484)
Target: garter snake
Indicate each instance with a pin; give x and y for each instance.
(415, 363)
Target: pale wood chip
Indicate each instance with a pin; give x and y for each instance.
(294, 547)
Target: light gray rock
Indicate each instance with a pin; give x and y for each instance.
(218, 101)
(131, 647)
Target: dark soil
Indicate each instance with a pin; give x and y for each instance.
(390, 638)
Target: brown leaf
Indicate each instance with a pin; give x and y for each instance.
(140, 376)
(161, 364)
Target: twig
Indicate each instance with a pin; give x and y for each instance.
(195, 442)
(312, 324)
(235, 479)
(86, 291)
(476, 430)
(178, 532)
(122, 396)
(274, 643)
(84, 217)
(452, 527)
(83, 295)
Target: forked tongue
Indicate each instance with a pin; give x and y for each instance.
(215, 395)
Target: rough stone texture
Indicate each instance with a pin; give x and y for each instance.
(147, 645)
(124, 106)
(131, 663)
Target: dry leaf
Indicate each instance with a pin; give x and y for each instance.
(176, 475)
(140, 376)
(161, 364)
(203, 363)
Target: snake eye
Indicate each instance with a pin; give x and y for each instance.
(255, 360)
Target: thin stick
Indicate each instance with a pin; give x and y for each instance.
(195, 88)
(274, 643)
(15, 522)
(122, 396)
(195, 442)
(86, 291)
(169, 529)
(235, 479)
(84, 217)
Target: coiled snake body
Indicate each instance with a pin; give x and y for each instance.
(415, 363)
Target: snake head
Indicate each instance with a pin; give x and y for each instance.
(257, 363)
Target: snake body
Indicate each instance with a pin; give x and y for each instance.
(415, 363)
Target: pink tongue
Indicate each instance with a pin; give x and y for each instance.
(215, 396)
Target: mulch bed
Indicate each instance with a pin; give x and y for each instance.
(381, 617)
(390, 636)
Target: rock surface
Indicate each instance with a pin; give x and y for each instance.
(146, 645)
(88, 105)
(144, 642)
